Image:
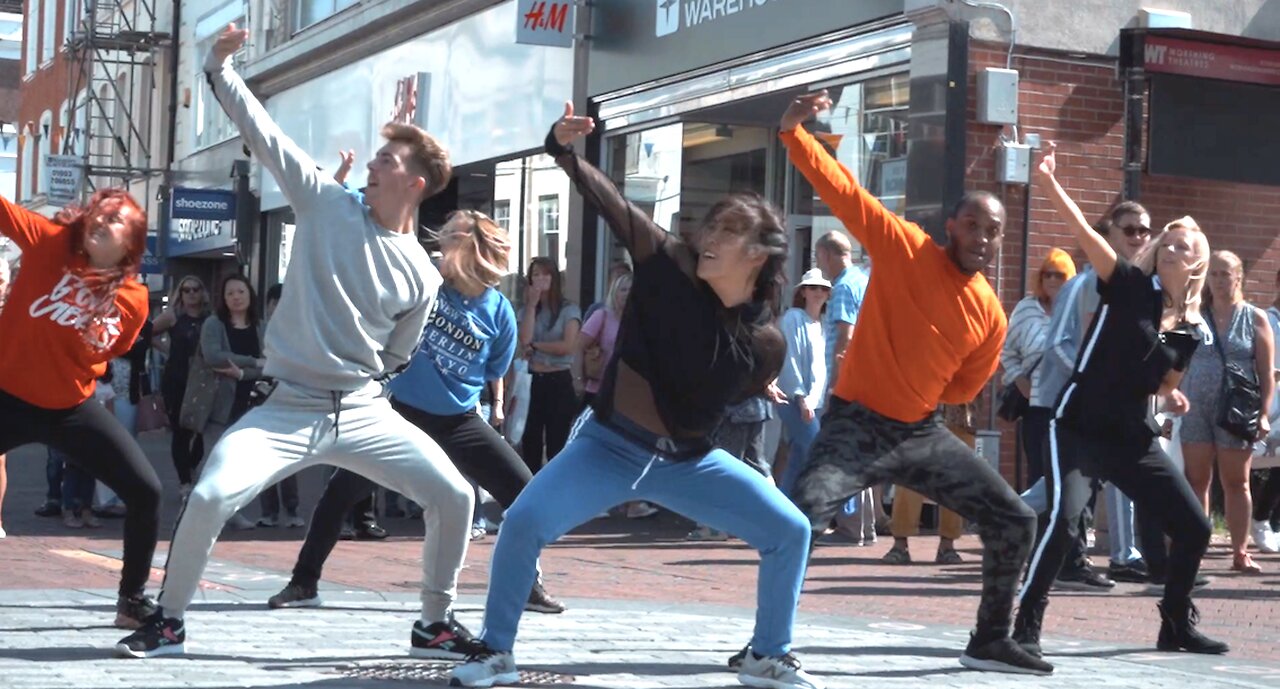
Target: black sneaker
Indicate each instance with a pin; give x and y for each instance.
(49, 509)
(1131, 573)
(1027, 624)
(1087, 579)
(444, 640)
(1002, 655)
(347, 534)
(133, 611)
(158, 636)
(1156, 587)
(295, 596)
(541, 601)
(1178, 631)
(735, 660)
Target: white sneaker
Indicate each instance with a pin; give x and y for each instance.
(485, 670)
(2, 532)
(775, 672)
(295, 522)
(1263, 537)
(269, 521)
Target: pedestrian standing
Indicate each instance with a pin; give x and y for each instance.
(1242, 344)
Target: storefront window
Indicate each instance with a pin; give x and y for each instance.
(502, 214)
(308, 12)
(867, 131)
(549, 224)
(212, 125)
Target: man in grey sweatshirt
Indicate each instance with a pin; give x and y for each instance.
(359, 290)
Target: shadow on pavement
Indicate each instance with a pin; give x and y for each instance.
(911, 651)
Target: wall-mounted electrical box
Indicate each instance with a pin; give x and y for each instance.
(998, 96)
(1013, 163)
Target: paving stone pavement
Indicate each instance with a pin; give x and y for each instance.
(53, 638)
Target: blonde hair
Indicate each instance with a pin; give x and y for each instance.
(611, 302)
(175, 296)
(1146, 259)
(480, 250)
(1237, 265)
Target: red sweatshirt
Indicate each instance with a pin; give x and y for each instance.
(45, 358)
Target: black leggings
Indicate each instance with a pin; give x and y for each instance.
(94, 441)
(553, 404)
(1266, 503)
(1143, 472)
(187, 447)
(473, 446)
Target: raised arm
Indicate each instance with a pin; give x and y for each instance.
(295, 171)
(25, 228)
(629, 224)
(1096, 248)
(862, 214)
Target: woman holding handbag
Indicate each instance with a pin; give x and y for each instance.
(230, 353)
(181, 320)
(1024, 346)
(1229, 385)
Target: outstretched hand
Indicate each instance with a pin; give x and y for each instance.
(1049, 161)
(805, 107)
(570, 126)
(348, 161)
(229, 41)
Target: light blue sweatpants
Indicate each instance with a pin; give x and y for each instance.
(600, 469)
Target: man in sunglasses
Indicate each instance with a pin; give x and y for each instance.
(1128, 229)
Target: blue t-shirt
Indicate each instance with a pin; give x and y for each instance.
(467, 343)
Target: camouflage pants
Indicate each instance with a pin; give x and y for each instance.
(857, 448)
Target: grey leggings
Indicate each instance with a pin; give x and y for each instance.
(857, 448)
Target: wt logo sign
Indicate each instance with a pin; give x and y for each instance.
(668, 21)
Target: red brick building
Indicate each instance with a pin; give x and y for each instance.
(1078, 102)
(42, 95)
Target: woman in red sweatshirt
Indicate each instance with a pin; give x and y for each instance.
(76, 305)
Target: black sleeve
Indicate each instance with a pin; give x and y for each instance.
(768, 350)
(629, 224)
(1125, 279)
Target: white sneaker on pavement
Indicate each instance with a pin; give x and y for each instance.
(485, 669)
(1264, 538)
(775, 672)
(238, 522)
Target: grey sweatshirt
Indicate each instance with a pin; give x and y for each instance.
(357, 295)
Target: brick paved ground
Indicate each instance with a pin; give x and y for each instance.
(644, 569)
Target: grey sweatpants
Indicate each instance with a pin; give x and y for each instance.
(295, 429)
(857, 448)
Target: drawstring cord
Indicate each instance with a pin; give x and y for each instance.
(336, 398)
(652, 458)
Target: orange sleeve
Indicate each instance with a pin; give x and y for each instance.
(977, 368)
(25, 228)
(133, 315)
(862, 214)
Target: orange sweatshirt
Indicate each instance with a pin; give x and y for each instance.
(45, 358)
(927, 333)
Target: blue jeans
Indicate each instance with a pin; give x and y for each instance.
(77, 486)
(602, 469)
(1124, 547)
(800, 436)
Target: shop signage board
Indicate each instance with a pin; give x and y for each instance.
(65, 174)
(545, 22)
(635, 41)
(1166, 55)
(204, 204)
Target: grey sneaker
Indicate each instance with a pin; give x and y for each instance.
(485, 668)
(775, 672)
(295, 596)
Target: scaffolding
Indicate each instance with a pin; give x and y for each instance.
(115, 51)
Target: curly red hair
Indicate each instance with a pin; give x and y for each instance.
(105, 282)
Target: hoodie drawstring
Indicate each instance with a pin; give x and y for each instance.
(336, 398)
(652, 458)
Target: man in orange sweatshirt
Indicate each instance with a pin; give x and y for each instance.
(930, 333)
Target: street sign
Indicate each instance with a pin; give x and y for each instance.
(64, 175)
(545, 22)
(203, 204)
